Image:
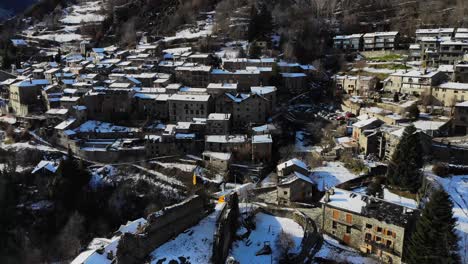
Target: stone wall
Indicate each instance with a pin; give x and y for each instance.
(311, 236)
(225, 231)
(162, 226)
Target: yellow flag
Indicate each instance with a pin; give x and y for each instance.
(221, 199)
(194, 178)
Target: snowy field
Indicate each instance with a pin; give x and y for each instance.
(300, 144)
(331, 175)
(268, 228)
(87, 12)
(457, 188)
(332, 250)
(204, 28)
(195, 244)
(181, 166)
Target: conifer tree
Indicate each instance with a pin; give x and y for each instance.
(404, 168)
(434, 239)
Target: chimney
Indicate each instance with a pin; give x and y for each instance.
(327, 197)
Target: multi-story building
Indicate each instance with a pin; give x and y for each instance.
(109, 104)
(355, 85)
(460, 118)
(193, 75)
(450, 93)
(242, 63)
(434, 32)
(371, 225)
(452, 51)
(248, 109)
(218, 124)
(415, 52)
(185, 107)
(381, 40)
(244, 78)
(460, 72)
(413, 82)
(349, 42)
(25, 96)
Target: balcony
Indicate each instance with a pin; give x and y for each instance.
(382, 247)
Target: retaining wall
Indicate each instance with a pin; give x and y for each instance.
(162, 226)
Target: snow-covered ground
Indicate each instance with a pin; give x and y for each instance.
(26, 145)
(300, 145)
(72, 18)
(395, 198)
(195, 244)
(181, 166)
(330, 175)
(333, 250)
(457, 188)
(86, 12)
(268, 229)
(204, 28)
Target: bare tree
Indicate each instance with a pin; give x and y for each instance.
(284, 243)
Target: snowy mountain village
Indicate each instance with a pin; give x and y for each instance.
(198, 147)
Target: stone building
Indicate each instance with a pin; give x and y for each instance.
(296, 187)
(290, 166)
(355, 85)
(294, 83)
(245, 78)
(218, 124)
(460, 73)
(452, 51)
(368, 224)
(25, 96)
(238, 145)
(247, 109)
(261, 148)
(414, 82)
(109, 104)
(450, 93)
(185, 107)
(196, 75)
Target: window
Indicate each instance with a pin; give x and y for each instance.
(348, 230)
(368, 226)
(336, 214)
(285, 192)
(334, 225)
(389, 243)
(349, 218)
(378, 239)
(389, 232)
(379, 229)
(368, 236)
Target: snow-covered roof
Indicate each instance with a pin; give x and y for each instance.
(262, 90)
(65, 124)
(219, 116)
(218, 155)
(345, 200)
(190, 97)
(51, 166)
(365, 123)
(454, 86)
(226, 138)
(295, 176)
(463, 104)
(291, 162)
(260, 139)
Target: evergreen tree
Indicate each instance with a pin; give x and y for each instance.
(404, 168)
(261, 23)
(434, 239)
